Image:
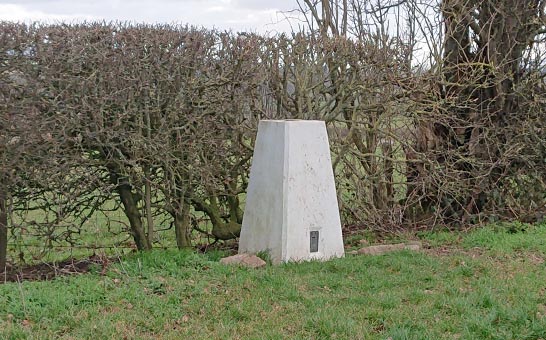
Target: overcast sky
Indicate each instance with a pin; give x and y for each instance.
(238, 15)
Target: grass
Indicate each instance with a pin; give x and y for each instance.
(105, 232)
(102, 231)
(486, 284)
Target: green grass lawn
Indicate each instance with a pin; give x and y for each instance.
(105, 232)
(485, 284)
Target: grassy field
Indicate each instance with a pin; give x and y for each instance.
(485, 284)
(105, 232)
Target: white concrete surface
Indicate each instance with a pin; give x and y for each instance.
(291, 192)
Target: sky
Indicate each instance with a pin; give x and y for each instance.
(238, 15)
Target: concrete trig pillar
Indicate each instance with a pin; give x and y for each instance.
(291, 207)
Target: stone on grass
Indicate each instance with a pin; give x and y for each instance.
(386, 248)
(245, 260)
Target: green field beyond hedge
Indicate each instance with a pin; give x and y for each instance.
(485, 284)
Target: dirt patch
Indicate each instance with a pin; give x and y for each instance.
(49, 271)
(536, 258)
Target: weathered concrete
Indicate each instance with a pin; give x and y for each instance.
(291, 194)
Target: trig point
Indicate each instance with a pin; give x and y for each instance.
(291, 207)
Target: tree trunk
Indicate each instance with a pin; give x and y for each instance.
(182, 227)
(130, 207)
(134, 216)
(148, 206)
(226, 231)
(220, 229)
(3, 230)
(483, 49)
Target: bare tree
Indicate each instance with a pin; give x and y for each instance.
(471, 101)
(485, 83)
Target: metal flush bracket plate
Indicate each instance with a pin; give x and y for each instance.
(314, 237)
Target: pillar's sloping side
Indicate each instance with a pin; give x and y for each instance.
(291, 205)
(311, 199)
(264, 214)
